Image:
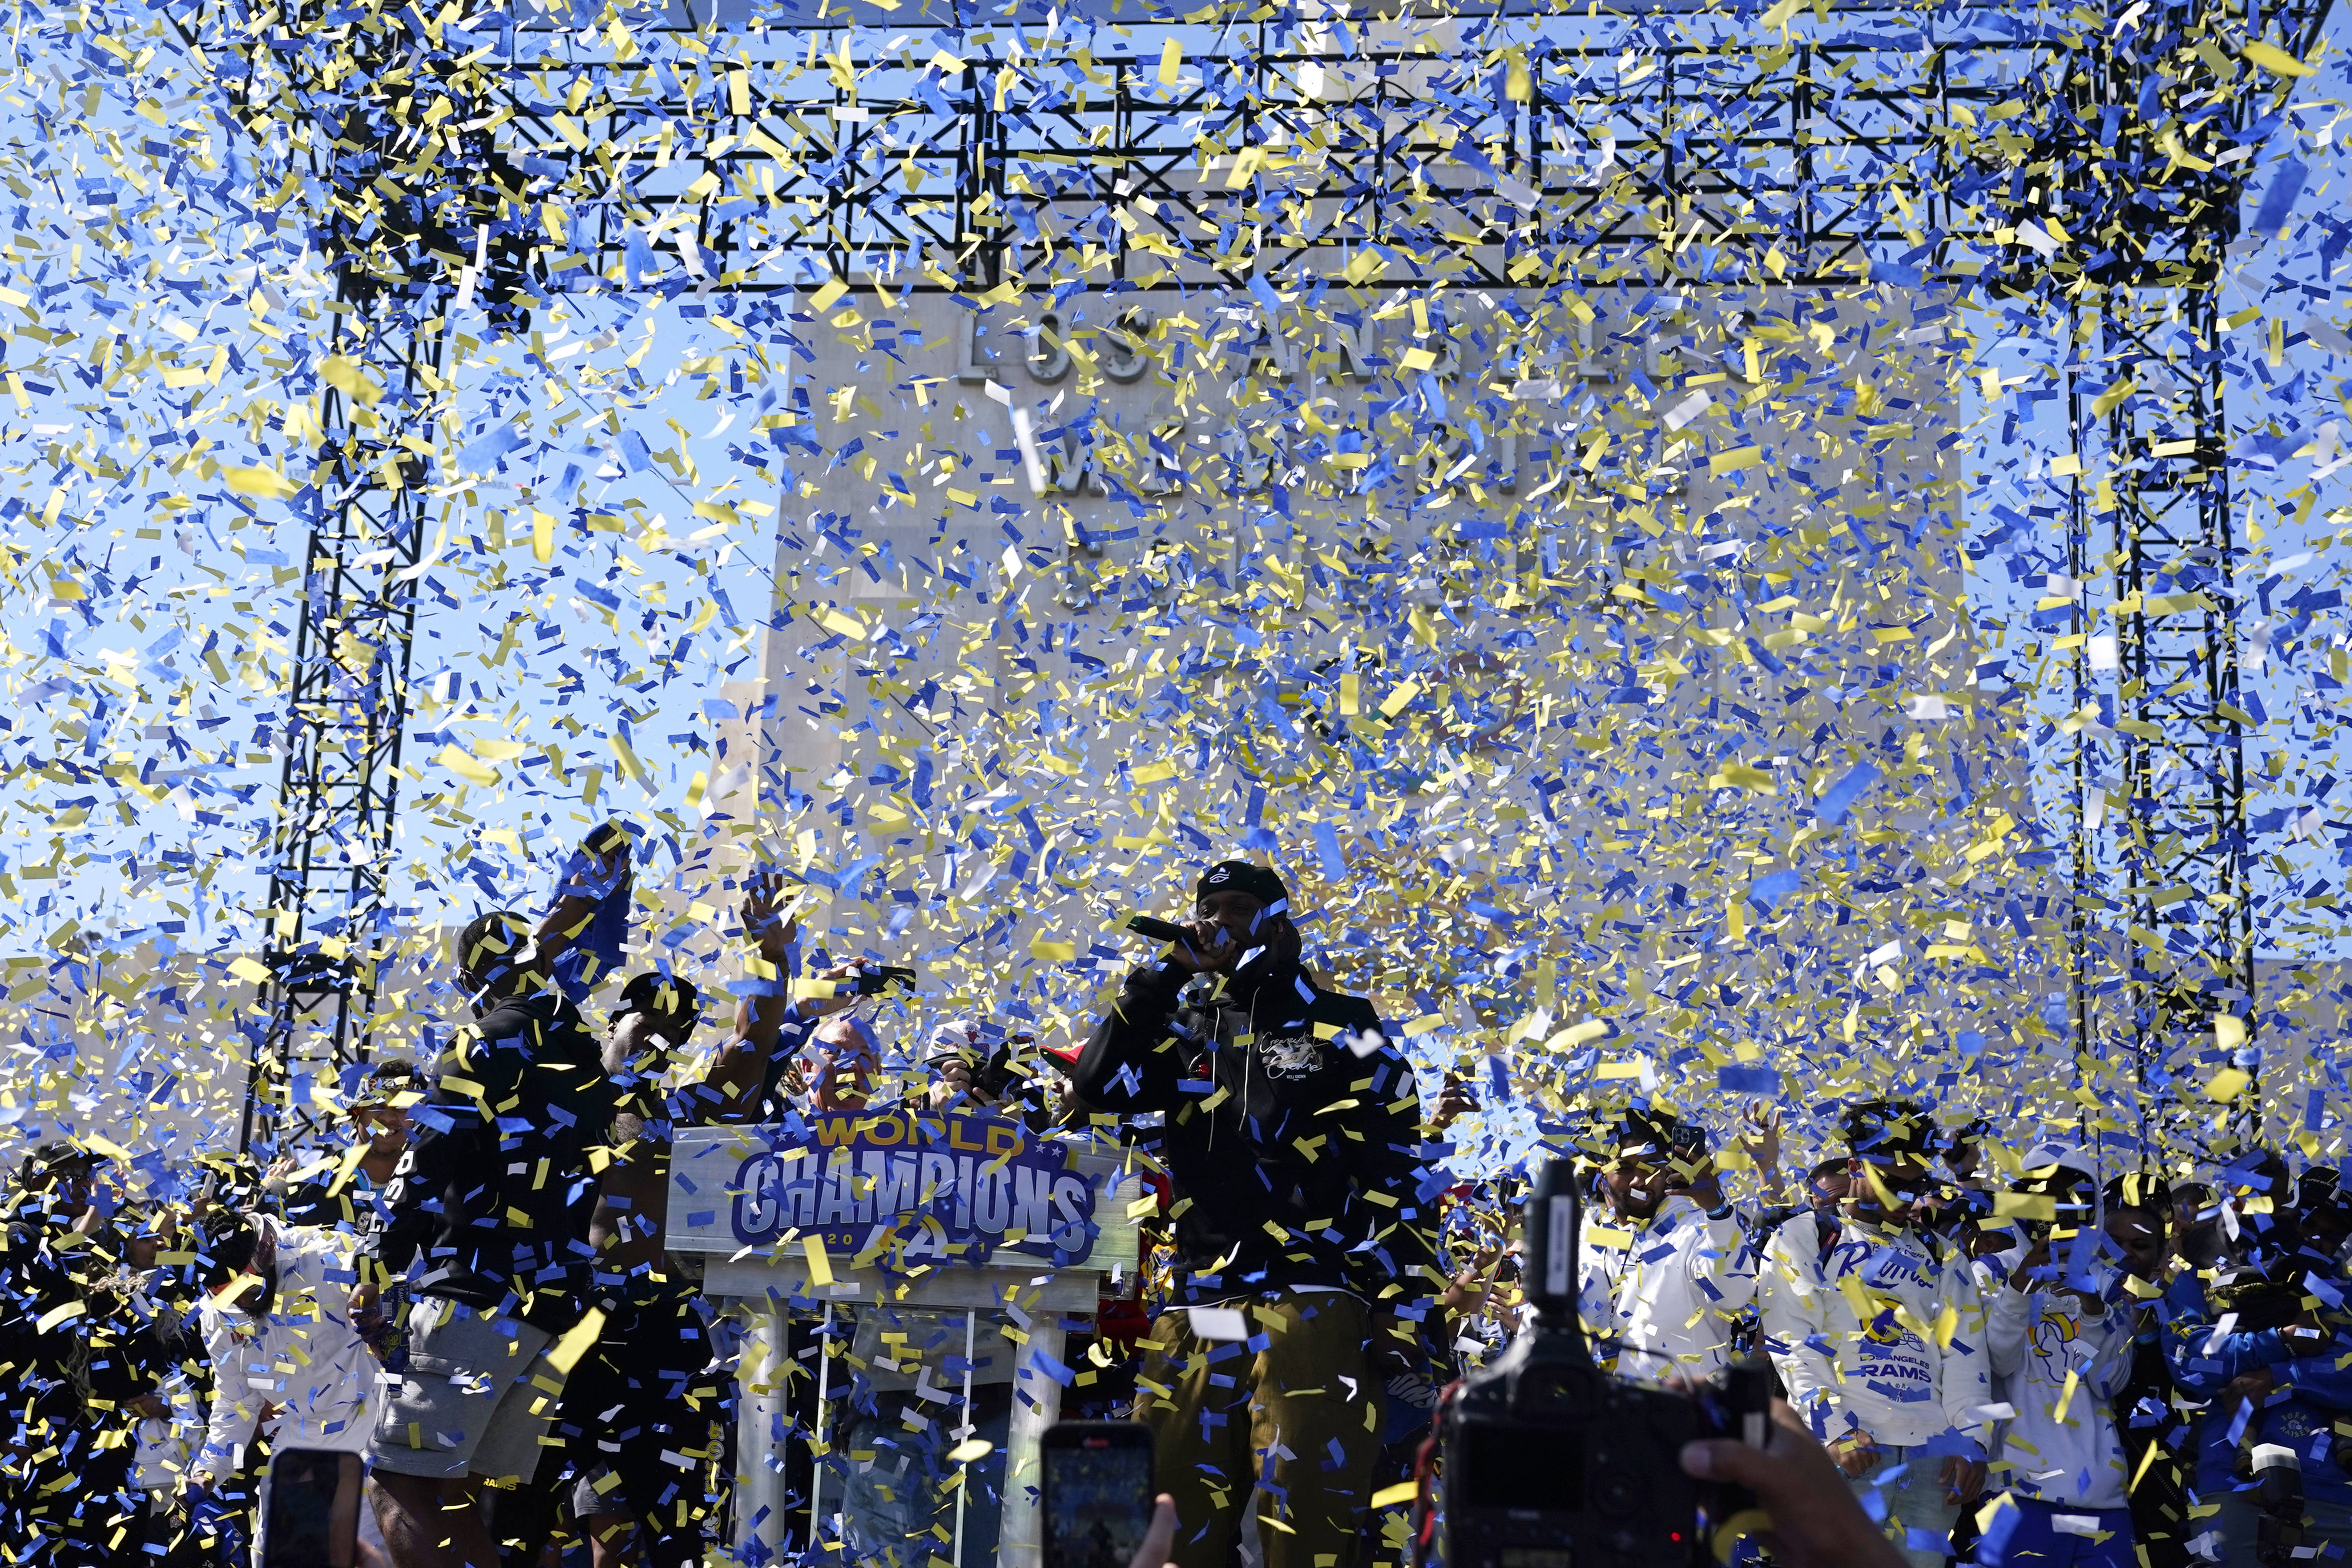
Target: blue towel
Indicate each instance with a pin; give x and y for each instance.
(598, 948)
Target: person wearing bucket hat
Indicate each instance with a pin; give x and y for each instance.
(1293, 1139)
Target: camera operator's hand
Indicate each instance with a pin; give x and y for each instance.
(1816, 1522)
(1962, 1478)
(1159, 1540)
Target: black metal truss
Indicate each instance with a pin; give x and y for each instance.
(330, 920)
(2181, 846)
(1720, 150)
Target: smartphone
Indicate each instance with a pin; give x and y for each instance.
(1688, 1144)
(874, 982)
(1158, 930)
(1097, 1492)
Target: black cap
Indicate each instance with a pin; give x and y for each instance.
(64, 1151)
(2322, 1189)
(385, 1082)
(1260, 882)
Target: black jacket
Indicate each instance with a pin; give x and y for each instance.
(68, 1355)
(493, 1198)
(320, 1202)
(1296, 1162)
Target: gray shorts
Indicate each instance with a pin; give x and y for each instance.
(474, 1400)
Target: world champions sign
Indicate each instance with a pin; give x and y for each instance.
(893, 1189)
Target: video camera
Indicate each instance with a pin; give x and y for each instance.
(1551, 1462)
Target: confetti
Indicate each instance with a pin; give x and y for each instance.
(1688, 624)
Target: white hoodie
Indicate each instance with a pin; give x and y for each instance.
(1878, 1334)
(303, 1357)
(1663, 1296)
(2038, 1340)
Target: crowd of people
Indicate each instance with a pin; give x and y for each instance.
(455, 1335)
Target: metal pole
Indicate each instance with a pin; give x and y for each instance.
(963, 1474)
(816, 1425)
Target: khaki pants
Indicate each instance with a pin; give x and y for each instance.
(1226, 1418)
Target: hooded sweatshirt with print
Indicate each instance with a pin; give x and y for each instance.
(1878, 1329)
(1293, 1136)
(2059, 1367)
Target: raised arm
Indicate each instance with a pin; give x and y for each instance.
(764, 1010)
(597, 870)
(1759, 1136)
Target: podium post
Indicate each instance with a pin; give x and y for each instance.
(1021, 1540)
(841, 1212)
(760, 1419)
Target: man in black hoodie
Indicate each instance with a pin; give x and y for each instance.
(1293, 1139)
(489, 1214)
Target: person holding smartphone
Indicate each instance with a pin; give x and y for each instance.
(1293, 1138)
(279, 1319)
(1664, 1264)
